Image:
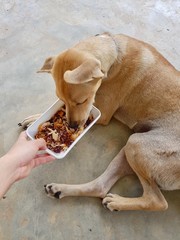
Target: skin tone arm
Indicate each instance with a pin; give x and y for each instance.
(20, 160)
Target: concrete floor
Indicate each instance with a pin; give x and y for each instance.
(32, 30)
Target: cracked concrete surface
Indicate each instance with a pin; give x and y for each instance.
(32, 30)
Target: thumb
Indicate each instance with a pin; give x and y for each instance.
(23, 135)
(40, 143)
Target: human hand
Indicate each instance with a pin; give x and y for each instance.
(24, 155)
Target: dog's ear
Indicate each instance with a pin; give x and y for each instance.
(87, 71)
(47, 66)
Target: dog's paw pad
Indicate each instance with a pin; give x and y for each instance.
(53, 190)
(57, 194)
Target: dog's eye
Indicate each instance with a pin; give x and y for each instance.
(79, 103)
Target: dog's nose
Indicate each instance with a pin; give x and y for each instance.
(73, 124)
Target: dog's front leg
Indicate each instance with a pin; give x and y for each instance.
(107, 109)
(28, 121)
(99, 187)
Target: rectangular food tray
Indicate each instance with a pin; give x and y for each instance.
(32, 129)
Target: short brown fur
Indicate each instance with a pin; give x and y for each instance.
(130, 80)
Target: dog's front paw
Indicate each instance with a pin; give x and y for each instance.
(54, 190)
(28, 121)
(111, 202)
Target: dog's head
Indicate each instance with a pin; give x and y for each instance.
(77, 77)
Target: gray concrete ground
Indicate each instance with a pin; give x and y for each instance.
(32, 30)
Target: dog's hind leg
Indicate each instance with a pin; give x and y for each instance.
(99, 187)
(139, 157)
(152, 200)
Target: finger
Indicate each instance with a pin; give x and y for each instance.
(43, 159)
(39, 154)
(40, 143)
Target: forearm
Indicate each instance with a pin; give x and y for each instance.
(7, 177)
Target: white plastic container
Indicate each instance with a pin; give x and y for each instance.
(32, 129)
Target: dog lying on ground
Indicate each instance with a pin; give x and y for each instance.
(130, 80)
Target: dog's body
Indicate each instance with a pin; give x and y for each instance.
(130, 80)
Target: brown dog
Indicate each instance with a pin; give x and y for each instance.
(130, 80)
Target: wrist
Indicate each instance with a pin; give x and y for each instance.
(7, 174)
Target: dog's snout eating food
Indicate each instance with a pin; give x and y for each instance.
(57, 133)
